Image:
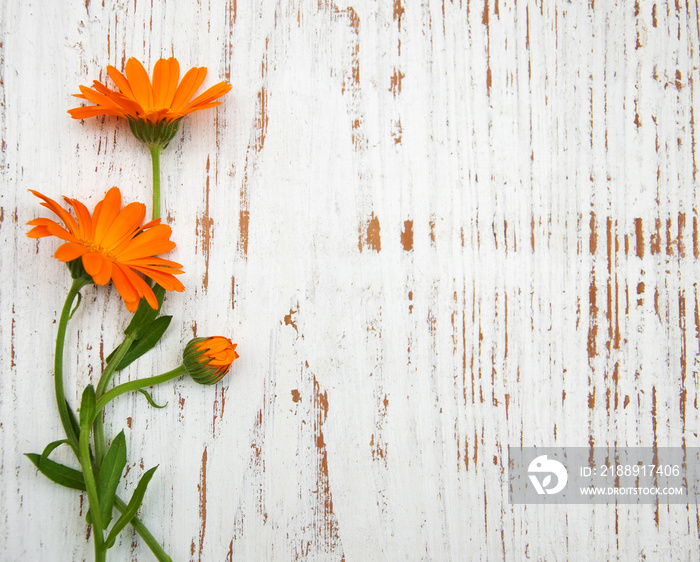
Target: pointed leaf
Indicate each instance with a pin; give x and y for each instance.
(109, 476)
(87, 407)
(150, 337)
(58, 473)
(131, 509)
(155, 329)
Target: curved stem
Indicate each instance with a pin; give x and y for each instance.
(155, 160)
(136, 385)
(61, 402)
(81, 445)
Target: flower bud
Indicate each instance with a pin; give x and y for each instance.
(207, 360)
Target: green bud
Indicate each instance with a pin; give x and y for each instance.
(207, 360)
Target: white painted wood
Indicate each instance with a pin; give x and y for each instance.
(435, 229)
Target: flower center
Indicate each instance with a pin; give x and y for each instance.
(97, 249)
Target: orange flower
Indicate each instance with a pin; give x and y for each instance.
(207, 360)
(113, 245)
(141, 99)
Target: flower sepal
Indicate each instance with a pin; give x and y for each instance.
(158, 134)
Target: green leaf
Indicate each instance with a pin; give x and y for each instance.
(109, 476)
(150, 399)
(131, 509)
(73, 420)
(150, 337)
(51, 446)
(58, 473)
(87, 408)
(144, 314)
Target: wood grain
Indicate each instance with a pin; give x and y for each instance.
(435, 229)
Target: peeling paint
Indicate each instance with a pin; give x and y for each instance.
(370, 235)
(407, 236)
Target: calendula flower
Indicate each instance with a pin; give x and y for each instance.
(153, 107)
(113, 245)
(207, 360)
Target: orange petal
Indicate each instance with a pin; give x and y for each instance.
(38, 232)
(190, 84)
(191, 109)
(166, 73)
(59, 232)
(140, 83)
(210, 94)
(124, 286)
(132, 306)
(153, 241)
(217, 344)
(105, 213)
(92, 262)
(121, 82)
(141, 287)
(69, 251)
(158, 263)
(92, 111)
(97, 98)
(42, 227)
(84, 219)
(128, 106)
(105, 274)
(64, 215)
(124, 225)
(166, 280)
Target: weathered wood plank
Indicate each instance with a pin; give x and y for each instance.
(435, 229)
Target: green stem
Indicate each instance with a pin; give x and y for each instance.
(144, 533)
(61, 402)
(112, 365)
(98, 425)
(81, 445)
(155, 160)
(136, 385)
(93, 498)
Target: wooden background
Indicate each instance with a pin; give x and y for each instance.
(434, 228)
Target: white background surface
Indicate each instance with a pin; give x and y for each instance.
(435, 229)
